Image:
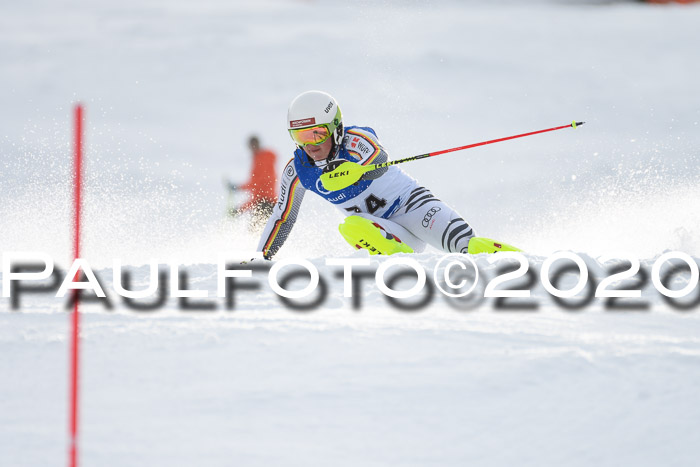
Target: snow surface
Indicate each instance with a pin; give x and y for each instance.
(172, 91)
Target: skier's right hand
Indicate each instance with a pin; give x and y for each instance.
(257, 260)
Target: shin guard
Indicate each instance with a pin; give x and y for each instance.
(364, 234)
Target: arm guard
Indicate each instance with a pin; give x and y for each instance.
(376, 173)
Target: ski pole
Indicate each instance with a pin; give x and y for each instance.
(346, 173)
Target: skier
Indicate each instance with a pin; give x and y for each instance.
(387, 210)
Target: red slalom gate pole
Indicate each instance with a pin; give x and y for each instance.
(75, 322)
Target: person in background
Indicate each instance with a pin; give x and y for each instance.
(261, 186)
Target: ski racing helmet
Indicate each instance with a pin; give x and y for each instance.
(312, 118)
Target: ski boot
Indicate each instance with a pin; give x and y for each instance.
(486, 245)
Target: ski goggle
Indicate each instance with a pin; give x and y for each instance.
(314, 135)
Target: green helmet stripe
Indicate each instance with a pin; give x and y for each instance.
(337, 120)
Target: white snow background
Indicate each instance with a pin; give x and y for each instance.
(172, 91)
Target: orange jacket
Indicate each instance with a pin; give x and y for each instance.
(263, 179)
